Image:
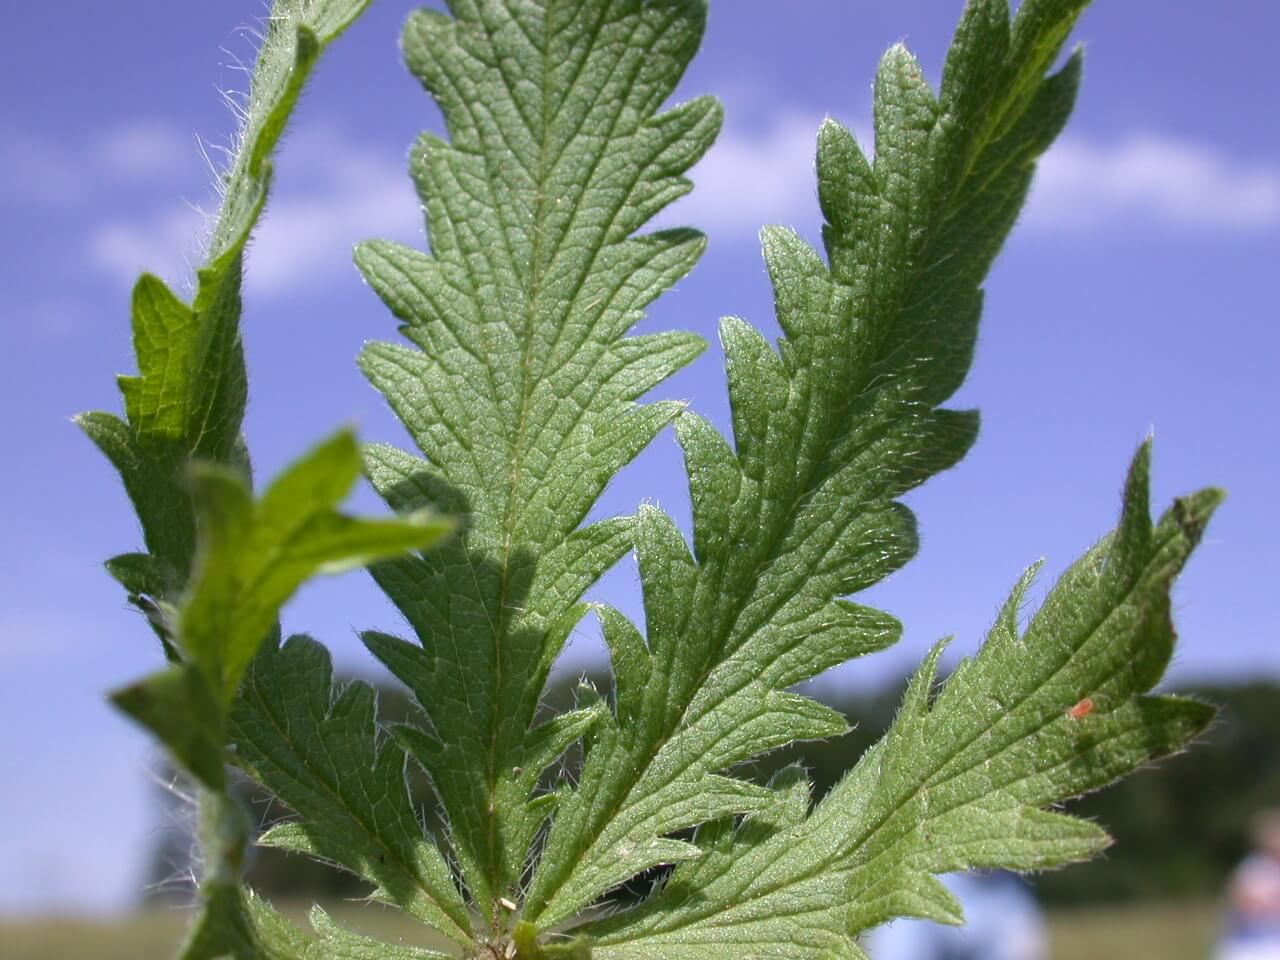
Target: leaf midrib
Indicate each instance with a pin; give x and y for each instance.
(511, 511)
(328, 789)
(924, 783)
(947, 207)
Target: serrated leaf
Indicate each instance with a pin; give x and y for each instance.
(828, 430)
(961, 779)
(319, 747)
(153, 480)
(279, 939)
(188, 397)
(520, 386)
(522, 382)
(254, 555)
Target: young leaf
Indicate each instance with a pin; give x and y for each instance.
(187, 402)
(319, 749)
(255, 555)
(252, 557)
(961, 782)
(828, 431)
(188, 397)
(521, 385)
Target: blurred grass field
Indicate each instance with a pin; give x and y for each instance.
(155, 933)
(1170, 931)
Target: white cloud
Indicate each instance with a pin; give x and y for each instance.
(345, 194)
(39, 170)
(143, 150)
(1145, 181)
(165, 244)
(330, 193)
(1149, 179)
(749, 179)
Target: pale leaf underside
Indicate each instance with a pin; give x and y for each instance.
(961, 779)
(828, 430)
(521, 384)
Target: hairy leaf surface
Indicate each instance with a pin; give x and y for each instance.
(828, 430)
(520, 379)
(253, 556)
(187, 402)
(521, 382)
(962, 779)
(188, 397)
(320, 750)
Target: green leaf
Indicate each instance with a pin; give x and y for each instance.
(828, 431)
(521, 384)
(281, 940)
(252, 557)
(153, 480)
(320, 749)
(187, 401)
(188, 397)
(179, 706)
(962, 779)
(255, 555)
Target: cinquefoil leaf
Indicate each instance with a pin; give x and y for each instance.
(252, 557)
(319, 748)
(521, 383)
(188, 397)
(829, 429)
(963, 778)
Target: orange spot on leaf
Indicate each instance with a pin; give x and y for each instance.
(1081, 709)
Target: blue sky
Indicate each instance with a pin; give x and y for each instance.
(1136, 295)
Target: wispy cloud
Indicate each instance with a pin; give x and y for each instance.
(1149, 179)
(753, 178)
(1144, 181)
(40, 170)
(331, 192)
(342, 194)
(144, 150)
(164, 244)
